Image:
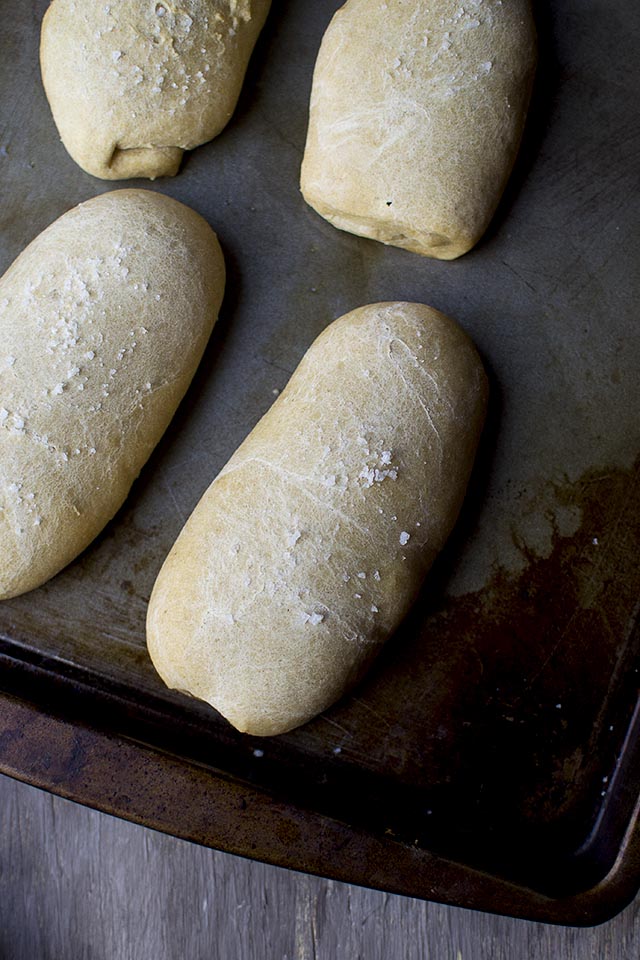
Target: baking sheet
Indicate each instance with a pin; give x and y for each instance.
(495, 729)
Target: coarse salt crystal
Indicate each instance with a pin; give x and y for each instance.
(381, 475)
(313, 618)
(404, 538)
(368, 475)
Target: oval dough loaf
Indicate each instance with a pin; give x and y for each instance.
(417, 111)
(103, 320)
(307, 550)
(134, 83)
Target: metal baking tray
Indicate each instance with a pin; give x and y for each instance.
(491, 758)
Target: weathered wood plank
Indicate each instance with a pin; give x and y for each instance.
(78, 885)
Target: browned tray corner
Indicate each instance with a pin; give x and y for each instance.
(491, 758)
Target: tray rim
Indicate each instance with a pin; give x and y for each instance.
(252, 823)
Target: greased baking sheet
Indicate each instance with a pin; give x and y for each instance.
(490, 756)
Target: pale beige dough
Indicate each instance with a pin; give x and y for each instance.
(134, 83)
(308, 549)
(417, 111)
(103, 320)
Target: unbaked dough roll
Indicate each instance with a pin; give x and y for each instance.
(103, 320)
(417, 111)
(308, 549)
(134, 83)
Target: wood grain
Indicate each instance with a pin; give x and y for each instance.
(79, 885)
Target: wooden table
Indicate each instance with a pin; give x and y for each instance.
(79, 885)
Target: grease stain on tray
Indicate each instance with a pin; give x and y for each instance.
(504, 711)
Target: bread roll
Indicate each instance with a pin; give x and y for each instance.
(417, 110)
(134, 83)
(308, 549)
(103, 319)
